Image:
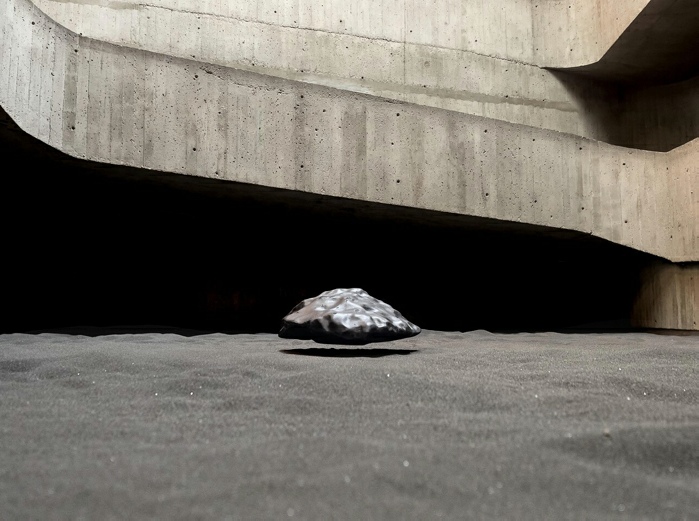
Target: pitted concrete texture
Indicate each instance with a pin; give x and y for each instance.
(530, 27)
(101, 102)
(481, 58)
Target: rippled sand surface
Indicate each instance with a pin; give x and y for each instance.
(156, 424)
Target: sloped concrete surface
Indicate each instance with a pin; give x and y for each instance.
(480, 58)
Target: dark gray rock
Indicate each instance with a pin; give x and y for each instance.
(346, 316)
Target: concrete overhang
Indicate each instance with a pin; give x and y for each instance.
(659, 46)
(106, 103)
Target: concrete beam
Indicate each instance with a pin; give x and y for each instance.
(480, 58)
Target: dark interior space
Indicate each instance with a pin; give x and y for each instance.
(86, 244)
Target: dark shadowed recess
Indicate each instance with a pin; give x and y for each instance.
(91, 245)
(348, 352)
(659, 46)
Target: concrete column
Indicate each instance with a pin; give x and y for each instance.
(669, 297)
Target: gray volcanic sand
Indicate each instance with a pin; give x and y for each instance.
(442, 425)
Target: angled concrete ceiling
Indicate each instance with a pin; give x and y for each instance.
(661, 45)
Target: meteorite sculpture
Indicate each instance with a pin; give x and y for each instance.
(346, 316)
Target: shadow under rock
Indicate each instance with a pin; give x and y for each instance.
(332, 352)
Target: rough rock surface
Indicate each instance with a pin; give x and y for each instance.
(346, 316)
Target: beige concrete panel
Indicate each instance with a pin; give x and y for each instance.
(11, 65)
(669, 297)
(664, 206)
(547, 190)
(6, 36)
(582, 199)
(20, 75)
(275, 49)
(685, 169)
(468, 25)
(552, 33)
(70, 97)
(559, 39)
(167, 125)
(434, 157)
(572, 188)
(677, 188)
(41, 82)
(505, 177)
(57, 95)
(447, 61)
(215, 126)
(95, 96)
(484, 86)
(460, 161)
(81, 71)
(354, 126)
(631, 186)
(27, 101)
(38, 72)
(691, 171)
(460, 25)
(647, 201)
(482, 184)
(118, 127)
(554, 205)
(133, 109)
(248, 118)
(525, 186)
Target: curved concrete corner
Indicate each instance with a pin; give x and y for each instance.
(658, 44)
(103, 102)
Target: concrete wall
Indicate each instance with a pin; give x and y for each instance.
(480, 58)
(551, 33)
(659, 117)
(571, 33)
(106, 103)
(669, 297)
(466, 25)
(444, 55)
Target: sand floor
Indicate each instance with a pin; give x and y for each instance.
(157, 425)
